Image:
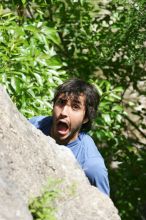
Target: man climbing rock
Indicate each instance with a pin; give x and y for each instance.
(74, 107)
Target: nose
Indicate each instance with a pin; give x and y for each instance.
(65, 110)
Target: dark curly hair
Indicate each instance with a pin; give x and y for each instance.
(75, 87)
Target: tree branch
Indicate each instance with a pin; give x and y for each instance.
(135, 126)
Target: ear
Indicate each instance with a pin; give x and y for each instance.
(85, 120)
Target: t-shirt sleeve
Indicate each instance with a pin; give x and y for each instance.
(97, 174)
(36, 121)
(94, 166)
(42, 123)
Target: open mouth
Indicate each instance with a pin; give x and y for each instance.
(62, 127)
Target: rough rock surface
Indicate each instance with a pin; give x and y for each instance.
(11, 204)
(28, 159)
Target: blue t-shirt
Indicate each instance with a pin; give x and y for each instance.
(85, 151)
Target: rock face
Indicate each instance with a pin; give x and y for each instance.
(28, 159)
(12, 205)
(136, 114)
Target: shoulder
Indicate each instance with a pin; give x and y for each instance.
(38, 120)
(42, 122)
(89, 146)
(84, 137)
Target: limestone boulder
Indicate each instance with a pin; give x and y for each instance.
(28, 159)
(12, 206)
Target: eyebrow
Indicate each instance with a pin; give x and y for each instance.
(73, 100)
(76, 101)
(73, 97)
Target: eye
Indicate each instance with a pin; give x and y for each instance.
(75, 107)
(60, 102)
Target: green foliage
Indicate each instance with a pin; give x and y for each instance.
(44, 42)
(29, 66)
(43, 207)
(109, 120)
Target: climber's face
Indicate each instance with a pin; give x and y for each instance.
(68, 117)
